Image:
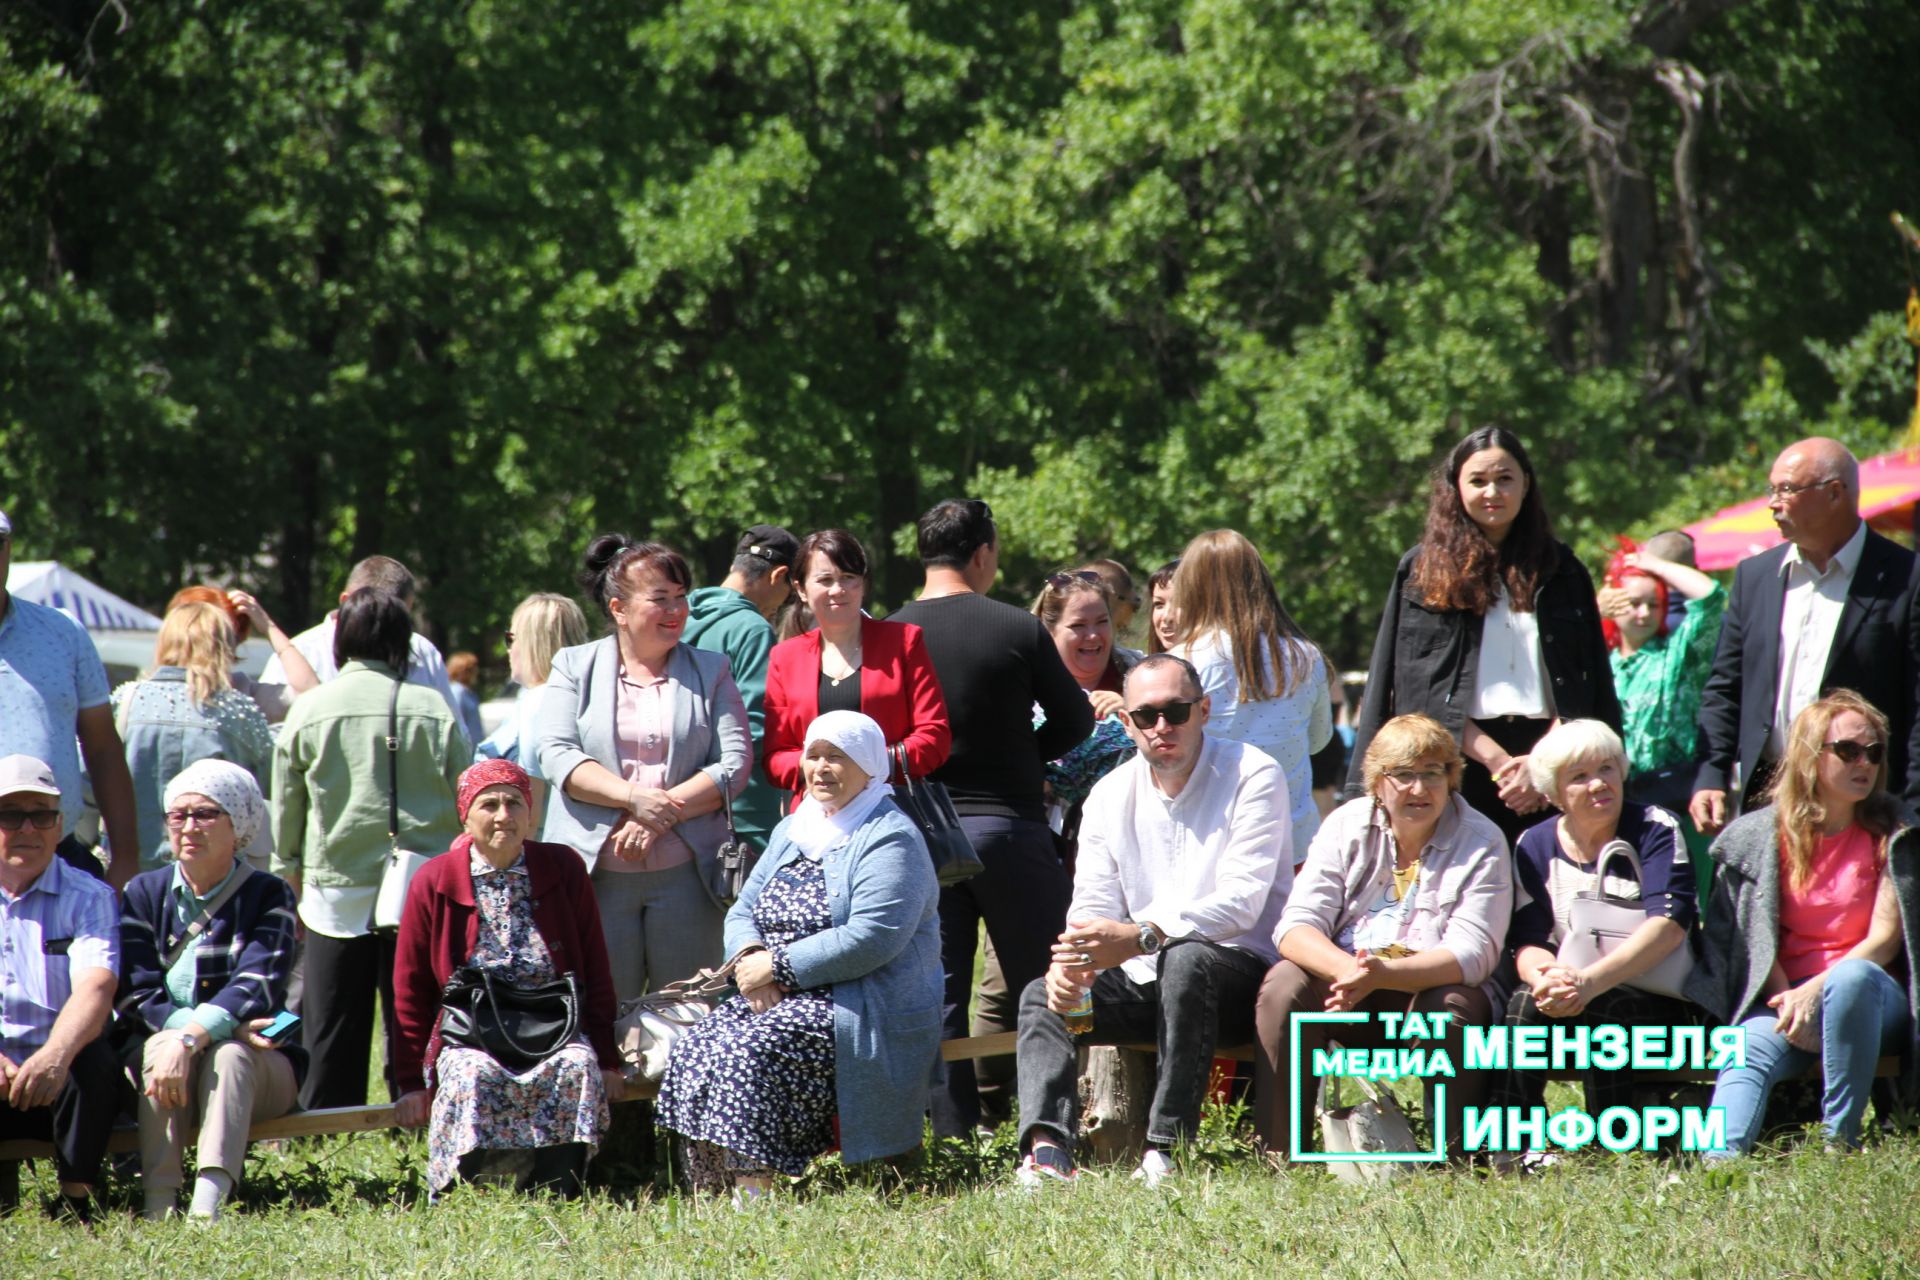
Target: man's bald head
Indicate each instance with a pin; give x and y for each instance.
(1826, 459)
(1813, 493)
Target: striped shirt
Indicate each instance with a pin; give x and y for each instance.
(65, 923)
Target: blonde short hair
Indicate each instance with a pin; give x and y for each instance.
(546, 623)
(1404, 741)
(1567, 742)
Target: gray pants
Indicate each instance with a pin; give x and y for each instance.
(660, 926)
(233, 1086)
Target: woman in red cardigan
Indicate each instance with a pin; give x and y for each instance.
(850, 662)
(527, 912)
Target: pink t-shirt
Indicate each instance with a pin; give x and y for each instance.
(642, 724)
(1822, 922)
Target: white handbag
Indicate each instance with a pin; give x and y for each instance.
(402, 864)
(650, 1026)
(1598, 924)
(1378, 1124)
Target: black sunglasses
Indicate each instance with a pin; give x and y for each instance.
(1061, 581)
(1176, 713)
(42, 819)
(1850, 751)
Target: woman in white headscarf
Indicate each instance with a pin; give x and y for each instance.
(835, 947)
(206, 949)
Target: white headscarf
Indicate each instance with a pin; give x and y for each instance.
(813, 828)
(233, 789)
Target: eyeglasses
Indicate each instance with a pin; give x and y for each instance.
(1061, 581)
(1794, 490)
(1850, 751)
(206, 815)
(1431, 779)
(42, 819)
(1176, 713)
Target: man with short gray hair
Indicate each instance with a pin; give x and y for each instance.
(425, 666)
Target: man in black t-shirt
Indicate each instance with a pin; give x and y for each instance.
(995, 663)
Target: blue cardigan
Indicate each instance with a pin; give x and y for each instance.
(882, 959)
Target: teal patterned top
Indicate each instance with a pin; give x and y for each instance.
(1659, 686)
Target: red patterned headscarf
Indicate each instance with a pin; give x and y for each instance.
(491, 773)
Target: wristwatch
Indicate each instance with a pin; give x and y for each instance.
(190, 1042)
(1150, 939)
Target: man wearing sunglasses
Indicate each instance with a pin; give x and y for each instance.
(59, 965)
(1185, 862)
(1830, 608)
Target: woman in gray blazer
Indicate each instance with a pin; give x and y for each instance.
(637, 735)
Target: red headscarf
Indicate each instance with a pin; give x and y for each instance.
(1617, 575)
(491, 773)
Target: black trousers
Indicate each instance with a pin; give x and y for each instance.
(80, 1119)
(343, 975)
(1022, 896)
(1516, 736)
(1204, 994)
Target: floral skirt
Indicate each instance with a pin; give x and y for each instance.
(480, 1105)
(759, 1084)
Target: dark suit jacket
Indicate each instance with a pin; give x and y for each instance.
(1876, 653)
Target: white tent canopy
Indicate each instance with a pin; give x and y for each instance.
(51, 583)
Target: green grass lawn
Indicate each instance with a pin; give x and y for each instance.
(356, 1206)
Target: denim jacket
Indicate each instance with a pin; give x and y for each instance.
(164, 732)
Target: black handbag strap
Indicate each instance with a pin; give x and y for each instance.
(393, 767)
(199, 925)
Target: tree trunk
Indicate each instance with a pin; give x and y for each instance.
(1116, 1088)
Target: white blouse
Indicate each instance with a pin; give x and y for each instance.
(1511, 679)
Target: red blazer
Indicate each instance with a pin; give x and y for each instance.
(898, 688)
(438, 929)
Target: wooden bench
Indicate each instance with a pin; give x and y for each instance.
(307, 1124)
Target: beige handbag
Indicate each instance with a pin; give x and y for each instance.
(1378, 1124)
(648, 1027)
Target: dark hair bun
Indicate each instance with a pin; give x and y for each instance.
(602, 554)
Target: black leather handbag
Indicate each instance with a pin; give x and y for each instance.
(518, 1027)
(929, 808)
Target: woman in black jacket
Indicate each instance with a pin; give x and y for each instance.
(1491, 629)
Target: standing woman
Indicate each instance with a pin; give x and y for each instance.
(542, 625)
(1814, 899)
(331, 771)
(1268, 682)
(638, 733)
(850, 662)
(186, 709)
(1491, 629)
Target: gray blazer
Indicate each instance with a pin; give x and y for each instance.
(1740, 930)
(575, 724)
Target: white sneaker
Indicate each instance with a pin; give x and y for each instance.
(1155, 1168)
(1032, 1174)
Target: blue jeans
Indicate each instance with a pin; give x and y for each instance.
(1863, 1013)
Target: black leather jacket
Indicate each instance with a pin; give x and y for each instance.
(1425, 660)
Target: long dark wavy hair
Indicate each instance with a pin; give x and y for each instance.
(1458, 567)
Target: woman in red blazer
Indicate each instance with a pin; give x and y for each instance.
(850, 662)
(527, 912)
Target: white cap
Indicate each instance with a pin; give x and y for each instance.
(24, 773)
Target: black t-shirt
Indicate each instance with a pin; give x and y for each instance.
(995, 662)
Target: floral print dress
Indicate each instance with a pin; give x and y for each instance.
(477, 1103)
(761, 1085)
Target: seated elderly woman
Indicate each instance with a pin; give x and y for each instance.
(835, 947)
(206, 953)
(1581, 766)
(1812, 896)
(1402, 905)
(526, 913)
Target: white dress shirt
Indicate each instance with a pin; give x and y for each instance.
(1809, 617)
(1214, 862)
(425, 667)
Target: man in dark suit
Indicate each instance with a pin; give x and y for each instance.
(1831, 608)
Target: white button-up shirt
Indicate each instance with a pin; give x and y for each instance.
(1214, 862)
(1809, 617)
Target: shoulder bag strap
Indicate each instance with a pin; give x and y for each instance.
(199, 925)
(393, 768)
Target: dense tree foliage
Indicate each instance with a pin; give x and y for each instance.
(466, 280)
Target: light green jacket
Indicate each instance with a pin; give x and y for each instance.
(330, 777)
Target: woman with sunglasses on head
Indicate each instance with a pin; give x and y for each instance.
(1268, 682)
(850, 662)
(1490, 628)
(1076, 609)
(1402, 906)
(1813, 897)
(191, 1011)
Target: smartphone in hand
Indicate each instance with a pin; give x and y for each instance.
(282, 1029)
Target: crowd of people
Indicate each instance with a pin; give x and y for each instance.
(1150, 862)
